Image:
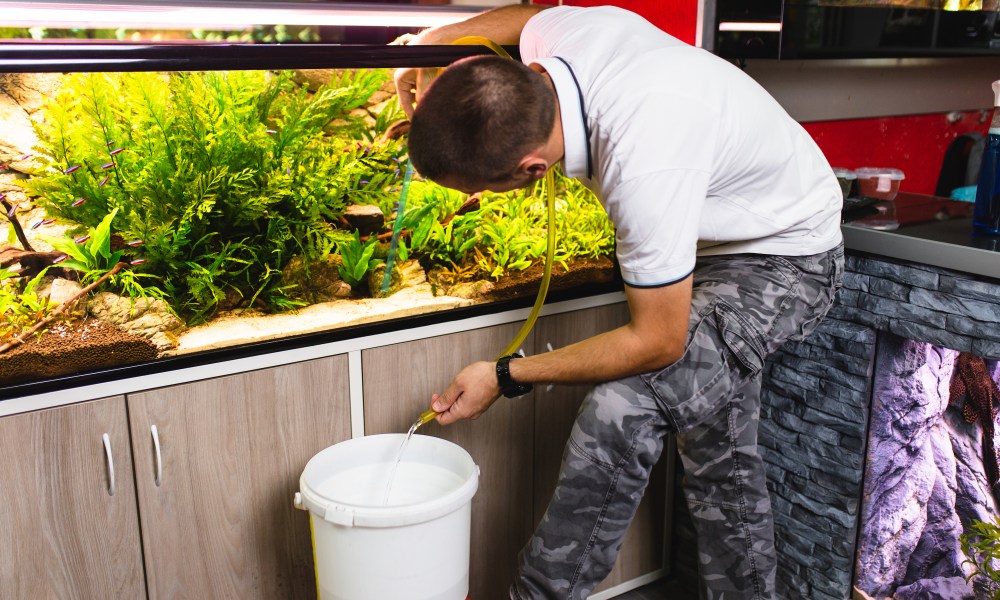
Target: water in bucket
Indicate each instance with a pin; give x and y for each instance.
(411, 544)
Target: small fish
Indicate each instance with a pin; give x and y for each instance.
(26, 156)
(288, 171)
(47, 222)
(3, 196)
(103, 181)
(135, 243)
(117, 151)
(107, 166)
(81, 239)
(60, 259)
(270, 131)
(363, 182)
(109, 144)
(2, 167)
(138, 261)
(395, 159)
(71, 169)
(13, 209)
(78, 202)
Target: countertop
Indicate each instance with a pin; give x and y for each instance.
(928, 230)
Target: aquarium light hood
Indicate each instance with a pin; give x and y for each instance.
(223, 15)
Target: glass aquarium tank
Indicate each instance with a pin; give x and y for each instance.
(170, 204)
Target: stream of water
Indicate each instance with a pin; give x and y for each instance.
(399, 455)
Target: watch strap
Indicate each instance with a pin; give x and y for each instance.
(508, 387)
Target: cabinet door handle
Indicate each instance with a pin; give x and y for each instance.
(111, 465)
(159, 460)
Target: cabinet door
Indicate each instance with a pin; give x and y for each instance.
(64, 532)
(555, 412)
(398, 383)
(216, 485)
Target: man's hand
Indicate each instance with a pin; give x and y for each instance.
(410, 83)
(502, 25)
(469, 395)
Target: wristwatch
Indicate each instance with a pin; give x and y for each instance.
(508, 387)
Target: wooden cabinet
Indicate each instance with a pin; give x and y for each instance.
(399, 381)
(205, 472)
(65, 531)
(214, 486)
(216, 481)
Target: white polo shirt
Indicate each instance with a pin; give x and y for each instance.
(688, 155)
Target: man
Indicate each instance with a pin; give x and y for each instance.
(727, 226)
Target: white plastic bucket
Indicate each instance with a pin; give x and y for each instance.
(415, 546)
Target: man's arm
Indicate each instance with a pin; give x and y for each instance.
(501, 25)
(653, 339)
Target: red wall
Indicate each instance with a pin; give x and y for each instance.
(916, 144)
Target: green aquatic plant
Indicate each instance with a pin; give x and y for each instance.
(217, 180)
(91, 255)
(981, 546)
(221, 176)
(506, 231)
(357, 259)
(20, 305)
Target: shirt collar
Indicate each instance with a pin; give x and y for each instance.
(576, 146)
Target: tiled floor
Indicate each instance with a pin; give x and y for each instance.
(664, 589)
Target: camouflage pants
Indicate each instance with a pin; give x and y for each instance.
(744, 307)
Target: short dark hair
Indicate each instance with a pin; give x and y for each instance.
(479, 118)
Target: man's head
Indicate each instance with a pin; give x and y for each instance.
(478, 120)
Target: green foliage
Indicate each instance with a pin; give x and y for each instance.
(981, 545)
(20, 308)
(357, 259)
(224, 176)
(217, 179)
(91, 255)
(508, 231)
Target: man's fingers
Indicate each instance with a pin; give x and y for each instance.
(406, 87)
(403, 40)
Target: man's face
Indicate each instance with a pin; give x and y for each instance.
(472, 187)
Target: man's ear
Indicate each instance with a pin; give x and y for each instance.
(533, 166)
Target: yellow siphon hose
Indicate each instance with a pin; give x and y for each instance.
(550, 244)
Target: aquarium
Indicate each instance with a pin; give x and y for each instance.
(178, 204)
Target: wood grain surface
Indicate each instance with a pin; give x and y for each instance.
(221, 524)
(62, 536)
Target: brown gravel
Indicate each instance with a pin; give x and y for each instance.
(582, 271)
(73, 347)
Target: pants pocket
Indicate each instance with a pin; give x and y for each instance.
(722, 347)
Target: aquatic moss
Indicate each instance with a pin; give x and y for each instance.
(221, 177)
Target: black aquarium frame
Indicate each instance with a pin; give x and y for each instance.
(74, 57)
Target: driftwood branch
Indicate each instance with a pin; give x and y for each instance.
(18, 230)
(31, 262)
(61, 309)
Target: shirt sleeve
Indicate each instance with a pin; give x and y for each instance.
(656, 219)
